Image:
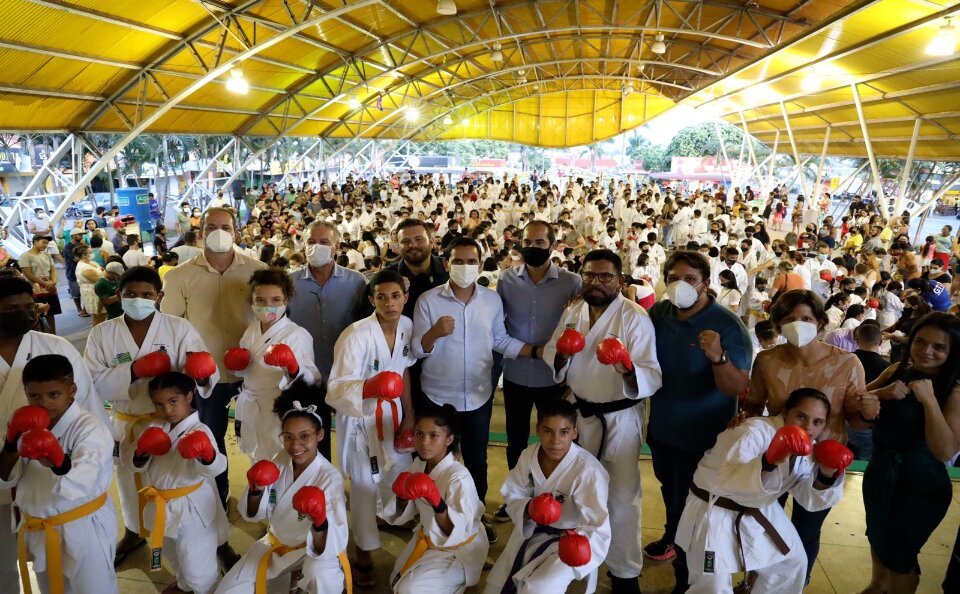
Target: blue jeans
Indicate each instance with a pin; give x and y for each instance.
(861, 443)
(214, 414)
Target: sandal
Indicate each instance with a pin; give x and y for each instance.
(363, 575)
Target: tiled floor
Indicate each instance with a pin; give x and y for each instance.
(843, 565)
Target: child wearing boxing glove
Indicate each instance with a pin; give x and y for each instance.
(279, 352)
(179, 506)
(448, 550)
(369, 387)
(62, 472)
(301, 496)
(556, 496)
(732, 521)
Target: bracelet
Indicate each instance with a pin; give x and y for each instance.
(440, 507)
(322, 527)
(866, 420)
(255, 492)
(10, 447)
(64, 467)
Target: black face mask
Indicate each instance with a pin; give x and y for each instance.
(17, 323)
(535, 256)
(730, 262)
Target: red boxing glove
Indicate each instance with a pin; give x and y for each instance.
(830, 453)
(151, 365)
(153, 442)
(236, 359)
(570, 342)
(420, 486)
(873, 304)
(825, 276)
(385, 384)
(263, 474)
(400, 484)
(280, 355)
(403, 442)
(310, 501)
(199, 365)
(544, 509)
(611, 351)
(38, 444)
(26, 418)
(789, 440)
(574, 549)
(195, 445)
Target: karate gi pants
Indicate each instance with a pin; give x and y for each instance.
(785, 577)
(320, 576)
(621, 460)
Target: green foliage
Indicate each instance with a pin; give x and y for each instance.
(654, 156)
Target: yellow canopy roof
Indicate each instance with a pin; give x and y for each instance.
(569, 72)
(875, 54)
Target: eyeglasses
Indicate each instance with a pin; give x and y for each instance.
(598, 277)
(305, 437)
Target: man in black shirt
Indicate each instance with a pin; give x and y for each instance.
(868, 336)
(453, 232)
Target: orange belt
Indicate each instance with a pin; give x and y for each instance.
(393, 406)
(160, 497)
(423, 545)
(277, 547)
(53, 546)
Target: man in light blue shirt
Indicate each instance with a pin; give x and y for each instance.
(456, 326)
(326, 301)
(534, 296)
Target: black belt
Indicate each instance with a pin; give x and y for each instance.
(599, 409)
(742, 510)
(509, 587)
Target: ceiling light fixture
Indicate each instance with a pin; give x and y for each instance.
(811, 82)
(945, 43)
(446, 7)
(522, 77)
(658, 47)
(413, 114)
(236, 83)
(496, 55)
(354, 103)
(447, 121)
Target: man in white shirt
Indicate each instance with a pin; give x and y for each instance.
(189, 250)
(456, 326)
(729, 262)
(134, 255)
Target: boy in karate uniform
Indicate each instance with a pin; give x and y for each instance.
(615, 371)
(61, 477)
(123, 355)
(557, 498)
(18, 345)
(368, 376)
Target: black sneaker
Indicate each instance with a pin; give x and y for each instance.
(624, 585)
(501, 514)
(491, 533)
(660, 550)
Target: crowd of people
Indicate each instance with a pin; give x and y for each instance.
(756, 368)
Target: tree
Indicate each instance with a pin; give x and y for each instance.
(654, 156)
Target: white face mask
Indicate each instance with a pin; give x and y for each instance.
(682, 294)
(799, 333)
(319, 255)
(137, 308)
(464, 275)
(219, 241)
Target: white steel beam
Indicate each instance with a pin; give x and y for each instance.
(773, 163)
(877, 182)
(823, 158)
(201, 177)
(905, 174)
(796, 154)
(940, 193)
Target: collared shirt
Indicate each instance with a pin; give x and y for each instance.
(457, 371)
(218, 305)
(420, 283)
(531, 313)
(689, 410)
(325, 311)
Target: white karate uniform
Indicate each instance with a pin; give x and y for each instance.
(109, 355)
(580, 483)
(88, 543)
(262, 384)
(194, 522)
(588, 379)
(456, 565)
(322, 573)
(732, 469)
(360, 353)
(13, 397)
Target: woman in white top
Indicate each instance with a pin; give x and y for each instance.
(729, 296)
(836, 308)
(854, 316)
(88, 273)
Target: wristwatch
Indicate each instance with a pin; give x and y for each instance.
(723, 359)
